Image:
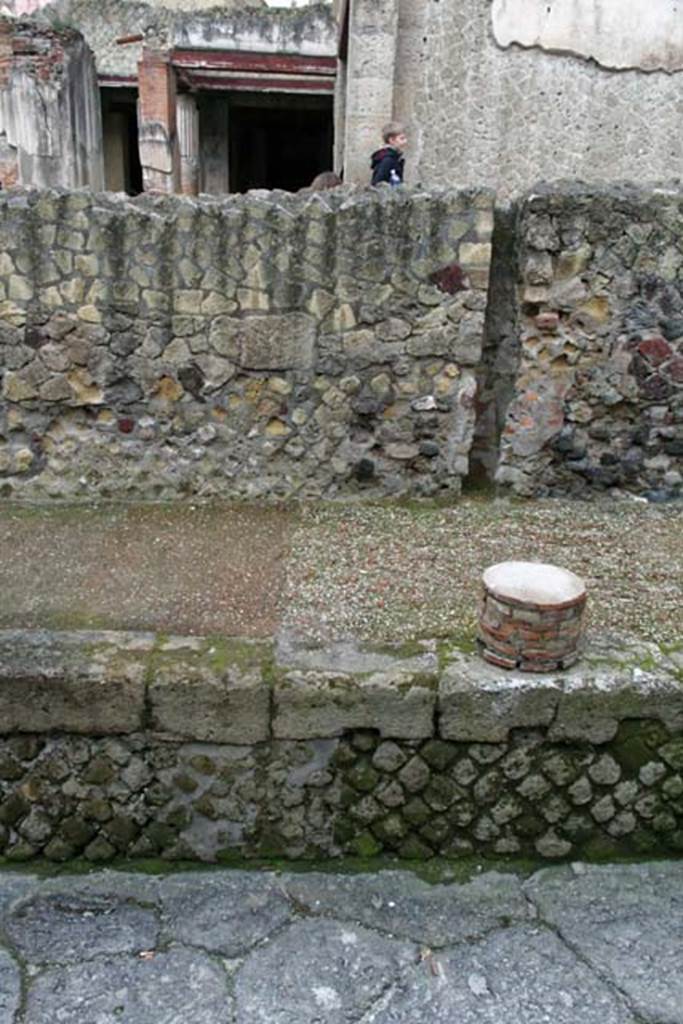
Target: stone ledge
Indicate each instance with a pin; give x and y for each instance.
(89, 683)
(611, 683)
(217, 690)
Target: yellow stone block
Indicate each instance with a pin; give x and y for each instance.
(276, 428)
(90, 314)
(83, 388)
(168, 389)
(475, 254)
(597, 308)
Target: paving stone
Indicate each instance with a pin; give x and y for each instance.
(319, 971)
(10, 988)
(522, 975)
(407, 907)
(228, 913)
(64, 927)
(627, 921)
(167, 988)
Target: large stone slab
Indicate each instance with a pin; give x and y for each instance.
(72, 682)
(402, 905)
(10, 988)
(273, 342)
(627, 921)
(223, 914)
(321, 704)
(73, 927)
(194, 696)
(171, 987)
(319, 970)
(521, 975)
(610, 684)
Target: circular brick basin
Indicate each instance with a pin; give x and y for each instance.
(531, 616)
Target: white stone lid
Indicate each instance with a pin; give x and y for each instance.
(534, 583)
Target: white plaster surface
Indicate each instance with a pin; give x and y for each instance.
(646, 34)
(533, 582)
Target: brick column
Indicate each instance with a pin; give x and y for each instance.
(157, 133)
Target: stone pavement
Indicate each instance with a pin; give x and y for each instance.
(573, 945)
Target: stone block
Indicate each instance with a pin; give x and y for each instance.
(277, 342)
(480, 703)
(399, 704)
(88, 683)
(211, 696)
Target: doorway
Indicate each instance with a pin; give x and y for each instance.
(264, 140)
(122, 169)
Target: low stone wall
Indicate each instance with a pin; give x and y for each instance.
(135, 745)
(267, 344)
(598, 399)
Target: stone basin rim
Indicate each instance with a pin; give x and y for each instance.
(534, 584)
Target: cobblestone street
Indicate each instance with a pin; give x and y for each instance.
(570, 944)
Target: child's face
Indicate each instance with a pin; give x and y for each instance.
(398, 141)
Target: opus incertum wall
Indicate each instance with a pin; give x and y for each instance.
(135, 745)
(598, 388)
(259, 345)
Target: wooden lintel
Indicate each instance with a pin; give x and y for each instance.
(243, 60)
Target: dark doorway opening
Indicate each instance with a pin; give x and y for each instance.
(278, 140)
(122, 169)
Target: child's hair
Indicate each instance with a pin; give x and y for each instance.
(392, 129)
(325, 180)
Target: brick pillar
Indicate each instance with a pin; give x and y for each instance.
(9, 166)
(157, 133)
(188, 143)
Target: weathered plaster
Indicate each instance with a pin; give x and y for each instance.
(615, 33)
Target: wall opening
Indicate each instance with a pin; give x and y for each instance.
(278, 140)
(122, 170)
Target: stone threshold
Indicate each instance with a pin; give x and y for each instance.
(235, 691)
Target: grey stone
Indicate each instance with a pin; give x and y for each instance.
(605, 771)
(318, 704)
(318, 970)
(227, 914)
(481, 703)
(276, 342)
(10, 988)
(82, 683)
(160, 988)
(349, 657)
(65, 927)
(523, 974)
(398, 903)
(626, 921)
(388, 757)
(189, 697)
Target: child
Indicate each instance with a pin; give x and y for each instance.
(387, 163)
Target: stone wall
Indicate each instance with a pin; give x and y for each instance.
(598, 393)
(483, 109)
(136, 745)
(227, 25)
(262, 345)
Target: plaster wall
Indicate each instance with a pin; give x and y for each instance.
(506, 117)
(50, 119)
(615, 33)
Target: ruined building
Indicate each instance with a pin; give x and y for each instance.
(499, 93)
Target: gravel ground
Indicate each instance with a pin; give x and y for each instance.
(381, 573)
(387, 573)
